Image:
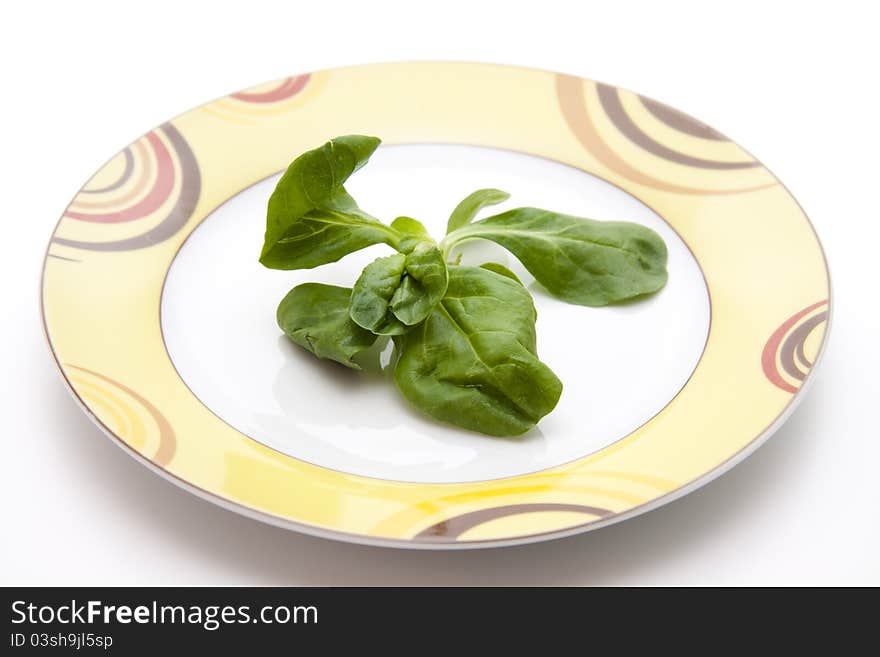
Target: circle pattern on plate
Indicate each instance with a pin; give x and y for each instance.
(143, 196)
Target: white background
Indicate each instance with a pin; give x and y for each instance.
(795, 85)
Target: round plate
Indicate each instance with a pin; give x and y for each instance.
(166, 334)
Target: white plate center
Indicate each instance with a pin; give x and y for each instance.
(619, 365)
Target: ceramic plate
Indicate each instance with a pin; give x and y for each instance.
(162, 320)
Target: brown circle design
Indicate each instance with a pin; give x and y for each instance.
(155, 170)
(119, 182)
(611, 103)
(167, 441)
(286, 88)
(582, 122)
(783, 359)
(680, 121)
(450, 529)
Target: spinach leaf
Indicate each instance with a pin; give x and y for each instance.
(371, 296)
(412, 233)
(501, 269)
(587, 262)
(423, 285)
(311, 220)
(465, 211)
(398, 291)
(473, 362)
(315, 316)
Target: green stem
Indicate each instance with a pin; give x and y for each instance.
(394, 236)
(452, 240)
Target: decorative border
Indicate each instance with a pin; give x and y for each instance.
(157, 191)
(110, 252)
(784, 359)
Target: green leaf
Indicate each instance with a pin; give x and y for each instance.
(501, 269)
(370, 306)
(465, 211)
(315, 316)
(423, 285)
(412, 232)
(587, 262)
(398, 291)
(473, 361)
(311, 220)
(410, 226)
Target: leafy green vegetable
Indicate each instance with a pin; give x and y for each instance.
(315, 316)
(587, 262)
(465, 211)
(311, 220)
(473, 362)
(501, 269)
(464, 336)
(398, 291)
(423, 285)
(412, 233)
(371, 296)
